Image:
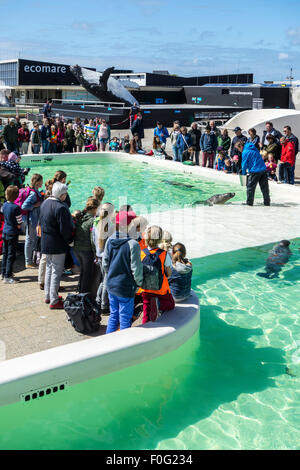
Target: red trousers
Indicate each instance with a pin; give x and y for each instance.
(166, 302)
(210, 156)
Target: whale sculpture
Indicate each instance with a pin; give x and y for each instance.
(216, 199)
(102, 85)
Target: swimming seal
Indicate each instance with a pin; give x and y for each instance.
(278, 257)
(102, 85)
(175, 183)
(216, 199)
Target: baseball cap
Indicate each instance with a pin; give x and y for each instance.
(124, 218)
(237, 129)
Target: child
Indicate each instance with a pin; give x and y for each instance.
(158, 150)
(103, 228)
(271, 167)
(98, 193)
(114, 145)
(79, 139)
(12, 165)
(155, 301)
(136, 230)
(91, 147)
(166, 242)
(122, 263)
(227, 166)
(12, 224)
(53, 140)
(126, 143)
(220, 160)
(181, 278)
(236, 164)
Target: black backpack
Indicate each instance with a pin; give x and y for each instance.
(152, 270)
(82, 312)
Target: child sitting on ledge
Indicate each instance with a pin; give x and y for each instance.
(91, 147)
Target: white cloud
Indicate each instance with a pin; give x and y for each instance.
(283, 56)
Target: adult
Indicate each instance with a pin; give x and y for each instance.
(10, 134)
(83, 247)
(238, 136)
(161, 132)
(90, 130)
(208, 145)
(183, 142)
(60, 137)
(47, 108)
(132, 113)
(35, 139)
(214, 129)
(287, 160)
(253, 162)
(70, 138)
(173, 137)
(269, 130)
(224, 141)
(292, 138)
(45, 135)
(56, 233)
(253, 137)
(104, 135)
(32, 205)
(138, 128)
(195, 134)
(24, 138)
(273, 147)
(77, 125)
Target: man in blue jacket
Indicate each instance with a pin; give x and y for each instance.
(161, 132)
(253, 162)
(208, 145)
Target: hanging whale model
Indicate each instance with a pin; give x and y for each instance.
(103, 86)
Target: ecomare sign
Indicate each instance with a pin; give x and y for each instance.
(45, 68)
(32, 72)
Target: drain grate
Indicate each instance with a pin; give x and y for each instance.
(43, 392)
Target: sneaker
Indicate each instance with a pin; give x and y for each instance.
(31, 266)
(47, 301)
(11, 280)
(67, 272)
(58, 306)
(2, 277)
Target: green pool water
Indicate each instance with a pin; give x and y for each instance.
(226, 388)
(135, 183)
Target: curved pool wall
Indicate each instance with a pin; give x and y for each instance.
(210, 228)
(78, 362)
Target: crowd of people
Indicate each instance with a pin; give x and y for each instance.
(116, 251)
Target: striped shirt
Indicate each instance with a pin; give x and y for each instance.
(12, 218)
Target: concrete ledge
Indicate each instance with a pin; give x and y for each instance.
(79, 362)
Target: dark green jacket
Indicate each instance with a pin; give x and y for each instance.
(10, 133)
(83, 232)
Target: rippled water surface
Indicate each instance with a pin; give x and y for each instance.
(234, 385)
(143, 185)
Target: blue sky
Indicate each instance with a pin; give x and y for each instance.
(194, 37)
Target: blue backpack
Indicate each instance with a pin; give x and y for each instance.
(152, 270)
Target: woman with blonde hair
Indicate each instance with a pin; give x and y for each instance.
(166, 242)
(103, 228)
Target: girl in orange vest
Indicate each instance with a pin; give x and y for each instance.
(161, 300)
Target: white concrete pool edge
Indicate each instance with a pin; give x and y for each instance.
(95, 357)
(78, 362)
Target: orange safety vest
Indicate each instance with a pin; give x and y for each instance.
(165, 288)
(142, 244)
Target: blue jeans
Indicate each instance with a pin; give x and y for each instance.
(175, 151)
(30, 241)
(292, 174)
(121, 312)
(45, 146)
(36, 148)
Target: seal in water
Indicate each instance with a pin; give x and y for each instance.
(175, 183)
(102, 85)
(278, 257)
(216, 199)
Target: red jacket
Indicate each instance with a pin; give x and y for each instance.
(288, 153)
